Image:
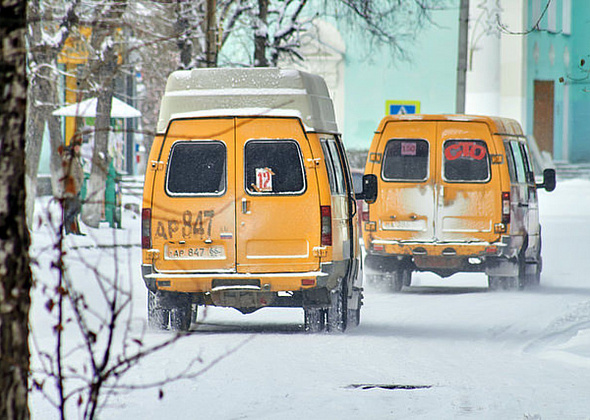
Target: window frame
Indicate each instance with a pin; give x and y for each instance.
(274, 194)
(516, 164)
(196, 142)
(337, 178)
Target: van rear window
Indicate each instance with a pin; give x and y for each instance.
(405, 160)
(466, 161)
(196, 168)
(273, 167)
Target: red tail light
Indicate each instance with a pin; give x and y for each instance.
(505, 207)
(365, 212)
(326, 213)
(146, 228)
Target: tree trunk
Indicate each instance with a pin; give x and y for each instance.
(211, 34)
(15, 272)
(102, 69)
(42, 101)
(261, 35)
(94, 203)
(184, 34)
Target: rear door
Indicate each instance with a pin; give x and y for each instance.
(468, 193)
(405, 207)
(193, 212)
(278, 206)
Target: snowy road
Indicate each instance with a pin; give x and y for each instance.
(442, 349)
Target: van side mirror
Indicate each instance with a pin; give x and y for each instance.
(549, 181)
(369, 193)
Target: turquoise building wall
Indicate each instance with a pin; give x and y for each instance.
(373, 77)
(553, 55)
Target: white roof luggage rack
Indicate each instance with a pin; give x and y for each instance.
(248, 92)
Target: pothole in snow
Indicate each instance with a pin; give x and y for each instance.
(392, 387)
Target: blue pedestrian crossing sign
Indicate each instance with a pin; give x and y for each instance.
(402, 107)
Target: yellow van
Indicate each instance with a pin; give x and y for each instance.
(457, 193)
(248, 200)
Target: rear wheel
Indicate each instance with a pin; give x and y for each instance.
(315, 320)
(533, 274)
(495, 282)
(338, 309)
(181, 315)
(406, 277)
(353, 317)
(157, 316)
(395, 280)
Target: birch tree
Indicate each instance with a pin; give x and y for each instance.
(15, 274)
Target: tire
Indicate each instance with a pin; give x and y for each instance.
(156, 315)
(495, 283)
(395, 281)
(180, 316)
(407, 277)
(338, 310)
(353, 316)
(315, 320)
(533, 275)
(519, 282)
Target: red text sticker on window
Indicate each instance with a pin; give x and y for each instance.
(264, 179)
(408, 149)
(466, 150)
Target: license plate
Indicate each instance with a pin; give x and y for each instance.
(413, 225)
(215, 252)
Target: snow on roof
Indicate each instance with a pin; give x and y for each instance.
(266, 91)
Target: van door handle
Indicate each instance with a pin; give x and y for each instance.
(245, 206)
(523, 205)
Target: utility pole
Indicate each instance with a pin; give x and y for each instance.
(462, 57)
(211, 35)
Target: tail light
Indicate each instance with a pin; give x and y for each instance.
(326, 213)
(365, 212)
(505, 207)
(146, 228)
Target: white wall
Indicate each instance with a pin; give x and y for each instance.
(496, 68)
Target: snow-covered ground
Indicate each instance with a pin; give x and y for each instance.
(442, 349)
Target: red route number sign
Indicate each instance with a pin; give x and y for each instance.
(466, 150)
(264, 179)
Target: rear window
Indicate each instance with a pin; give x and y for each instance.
(273, 167)
(405, 160)
(466, 161)
(196, 168)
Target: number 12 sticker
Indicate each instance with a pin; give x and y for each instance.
(264, 179)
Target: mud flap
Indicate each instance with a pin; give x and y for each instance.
(502, 268)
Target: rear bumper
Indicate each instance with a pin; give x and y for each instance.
(219, 281)
(446, 258)
(506, 246)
